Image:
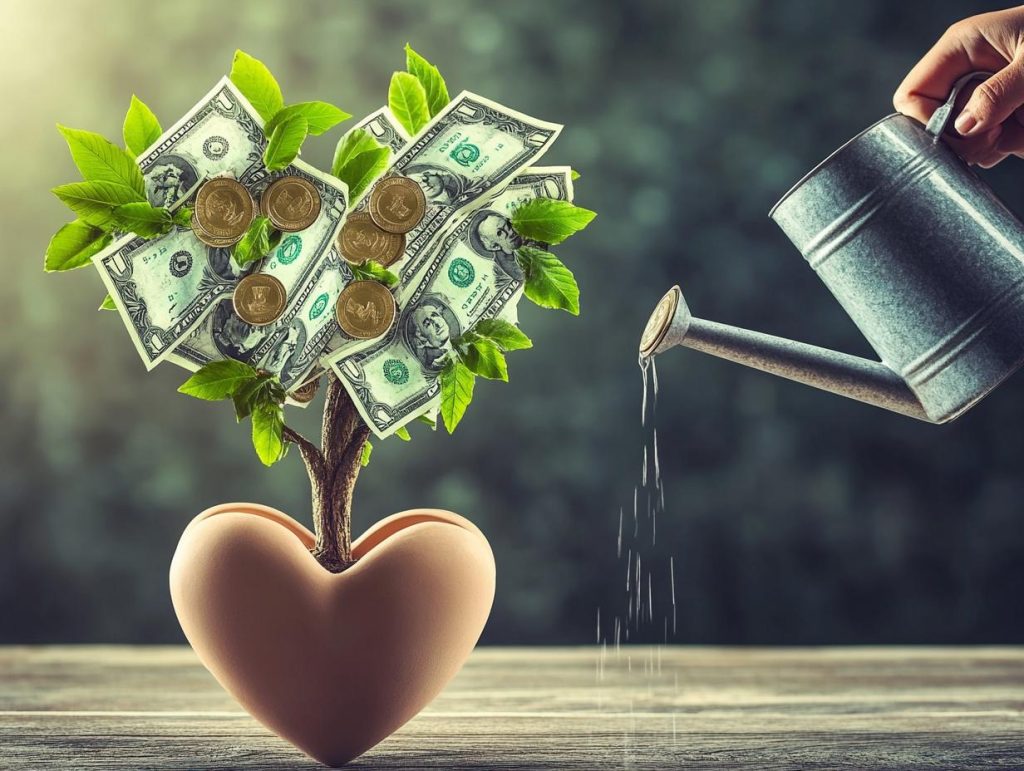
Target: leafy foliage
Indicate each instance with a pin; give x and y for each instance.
(141, 127)
(457, 381)
(430, 78)
(320, 116)
(257, 84)
(143, 219)
(362, 170)
(550, 221)
(107, 304)
(255, 244)
(94, 201)
(408, 101)
(371, 270)
(254, 394)
(549, 283)
(99, 160)
(285, 142)
(73, 246)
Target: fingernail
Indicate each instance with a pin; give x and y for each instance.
(965, 123)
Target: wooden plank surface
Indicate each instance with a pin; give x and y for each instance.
(135, 708)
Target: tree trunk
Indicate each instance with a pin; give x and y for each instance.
(333, 471)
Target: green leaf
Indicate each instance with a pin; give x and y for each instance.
(141, 128)
(268, 432)
(101, 161)
(573, 174)
(428, 421)
(457, 382)
(107, 304)
(95, 201)
(254, 80)
(182, 217)
(321, 116)
(362, 170)
(550, 221)
(143, 219)
(364, 459)
(484, 358)
(548, 282)
(255, 244)
(403, 434)
(247, 396)
(504, 334)
(371, 270)
(73, 246)
(430, 78)
(218, 380)
(354, 143)
(285, 143)
(408, 101)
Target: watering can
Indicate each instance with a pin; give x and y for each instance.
(918, 251)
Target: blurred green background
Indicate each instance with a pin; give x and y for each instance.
(792, 516)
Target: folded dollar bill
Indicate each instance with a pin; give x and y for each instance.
(472, 274)
(164, 288)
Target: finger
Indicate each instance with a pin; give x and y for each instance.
(929, 82)
(994, 100)
(977, 149)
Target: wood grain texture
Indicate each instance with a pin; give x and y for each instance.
(118, 708)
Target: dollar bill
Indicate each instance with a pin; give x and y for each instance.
(472, 275)
(289, 347)
(470, 150)
(164, 288)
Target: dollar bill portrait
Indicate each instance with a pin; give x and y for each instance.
(170, 178)
(220, 262)
(428, 332)
(491, 235)
(232, 336)
(282, 358)
(440, 185)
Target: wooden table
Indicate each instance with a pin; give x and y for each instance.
(550, 708)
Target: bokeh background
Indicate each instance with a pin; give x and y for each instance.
(792, 516)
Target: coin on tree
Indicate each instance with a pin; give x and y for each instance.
(360, 240)
(206, 238)
(291, 203)
(224, 209)
(365, 309)
(397, 204)
(259, 299)
(306, 391)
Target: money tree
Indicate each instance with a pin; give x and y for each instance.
(121, 200)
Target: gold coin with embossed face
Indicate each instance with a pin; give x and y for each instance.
(306, 391)
(397, 204)
(206, 238)
(366, 309)
(259, 299)
(360, 240)
(224, 209)
(291, 203)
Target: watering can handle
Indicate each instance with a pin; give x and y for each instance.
(937, 123)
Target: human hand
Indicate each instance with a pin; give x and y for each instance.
(991, 124)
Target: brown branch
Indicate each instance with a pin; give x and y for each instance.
(332, 475)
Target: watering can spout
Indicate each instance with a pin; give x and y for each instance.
(872, 382)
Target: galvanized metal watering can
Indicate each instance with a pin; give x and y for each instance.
(919, 252)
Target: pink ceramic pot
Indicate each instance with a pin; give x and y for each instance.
(333, 663)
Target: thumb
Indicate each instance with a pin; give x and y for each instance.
(993, 101)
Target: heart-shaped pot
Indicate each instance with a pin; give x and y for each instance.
(334, 663)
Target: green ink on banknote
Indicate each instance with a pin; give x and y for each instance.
(461, 272)
(396, 372)
(319, 306)
(289, 250)
(465, 153)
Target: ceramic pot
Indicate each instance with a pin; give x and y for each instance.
(334, 663)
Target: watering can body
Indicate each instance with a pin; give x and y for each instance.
(920, 253)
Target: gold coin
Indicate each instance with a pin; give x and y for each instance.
(259, 299)
(365, 309)
(224, 209)
(360, 240)
(306, 391)
(291, 203)
(206, 238)
(397, 204)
